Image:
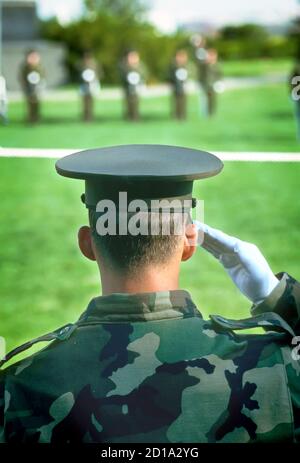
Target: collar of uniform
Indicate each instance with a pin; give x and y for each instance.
(121, 307)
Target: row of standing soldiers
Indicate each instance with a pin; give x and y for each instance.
(132, 74)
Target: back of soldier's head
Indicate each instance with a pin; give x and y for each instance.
(139, 199)
(144, 239)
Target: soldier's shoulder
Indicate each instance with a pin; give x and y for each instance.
(60, 334)
(270, 321)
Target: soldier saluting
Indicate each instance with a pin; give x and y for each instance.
(32, 78)
(141, 364)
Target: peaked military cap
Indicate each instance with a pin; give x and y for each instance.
(144, 171)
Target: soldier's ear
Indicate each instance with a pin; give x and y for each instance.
(190, 241)
(85, 242)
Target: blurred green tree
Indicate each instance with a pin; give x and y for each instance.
(294, 34)
(251, 41)
(108, 36)
(110, 27)
(244, 32)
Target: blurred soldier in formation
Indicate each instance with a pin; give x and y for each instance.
(32, 81)
(89, 84)
(3, 101)
(199, 44)
(131, 76)
(210, 80)
(178, 78)
(294, 82)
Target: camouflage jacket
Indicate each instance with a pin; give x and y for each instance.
(148, 368)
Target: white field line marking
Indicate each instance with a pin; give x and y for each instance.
(225, 156)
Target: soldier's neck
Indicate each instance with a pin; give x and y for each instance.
(148, 280)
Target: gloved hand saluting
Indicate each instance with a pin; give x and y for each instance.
(243, 262)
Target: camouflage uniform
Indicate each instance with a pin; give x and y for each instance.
(148, 368)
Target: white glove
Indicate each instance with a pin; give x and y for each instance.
(243, 262)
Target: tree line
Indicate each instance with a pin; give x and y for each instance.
(109, 28)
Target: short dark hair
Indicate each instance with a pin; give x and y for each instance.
(128, 253)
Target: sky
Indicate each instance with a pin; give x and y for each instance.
(168, 14)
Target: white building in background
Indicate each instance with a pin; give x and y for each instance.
(20, 32)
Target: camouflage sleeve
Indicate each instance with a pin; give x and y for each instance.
(284, 300)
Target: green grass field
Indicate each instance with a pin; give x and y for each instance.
(254, 119)
(44, 281)
(256, 67)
